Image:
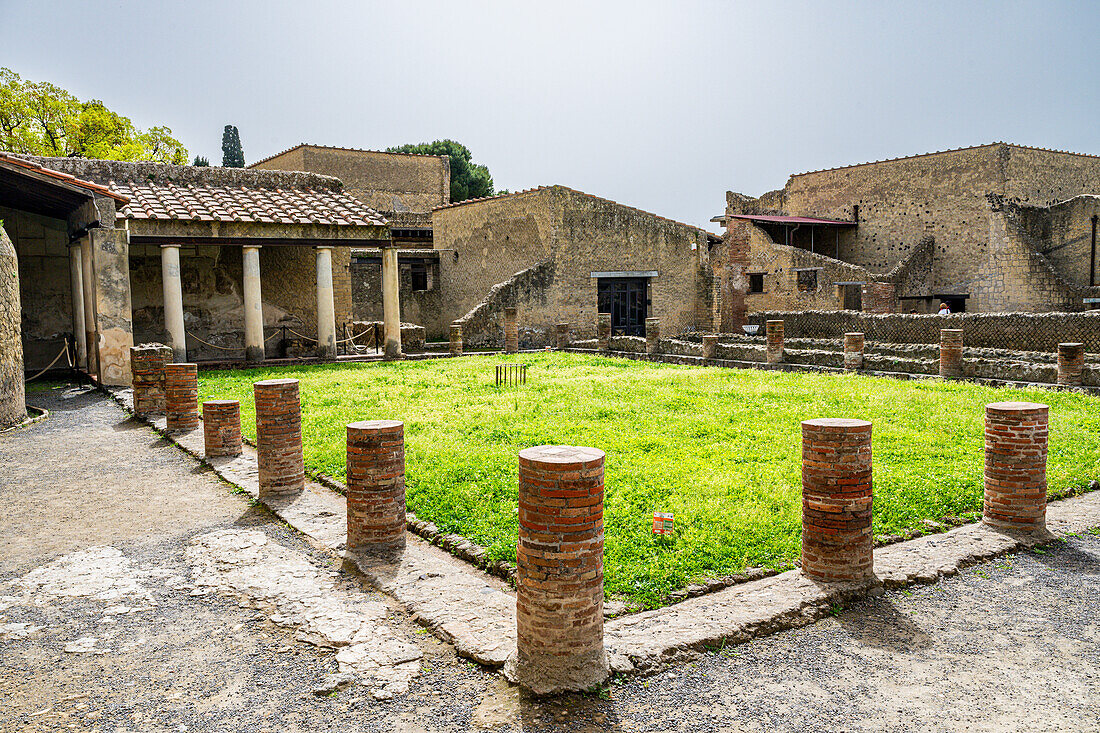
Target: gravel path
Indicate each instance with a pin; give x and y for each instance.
(1006, 645)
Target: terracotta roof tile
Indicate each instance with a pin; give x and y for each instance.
(63, 177)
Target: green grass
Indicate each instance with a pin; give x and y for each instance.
(719, 447)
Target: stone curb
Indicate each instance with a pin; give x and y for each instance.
(29, 420)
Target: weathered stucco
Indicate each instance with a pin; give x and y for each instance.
(13, 407)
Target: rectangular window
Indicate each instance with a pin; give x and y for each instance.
(756, 282)
(807, 281)
(419, 276)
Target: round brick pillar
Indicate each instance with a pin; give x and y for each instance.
(376, 484)
(559, 571)
(147, 365)
(710, 345)
(221, 427)
(279, 437)
(774, 331)
(853, 351)
(561, 332)
(653, 335)
(181, 397)
(456, 339)
(1016, 465)
(511, 331)
(1071, 364)
(951, 352)
(836, 500)
(603, 331)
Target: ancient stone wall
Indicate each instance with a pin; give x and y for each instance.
(422, 307)
(486, 243)
(388, 182)
(1016, 331)
(46, 289)
(13, 409)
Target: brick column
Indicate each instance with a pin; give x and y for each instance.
(1016, 465)
(279, 437)
(376, 484)
(181, 397)
(1071, 364)
(710, 345)
(147, 365)
(511, 331)
(774, 331)
(561, 332)
(221, 427)
(951, 352)
(603, 331)
(853, 351)
(456, 339)
(836, 500)
(653, 335)
(559, 571)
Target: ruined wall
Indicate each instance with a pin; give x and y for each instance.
(942, 195)
(45, 286)
(1018, 276)
(1016, 331)
(13, 407)
(384, 181)
(485, 243)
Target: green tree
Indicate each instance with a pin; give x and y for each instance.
(469, 180)
(201, 161)
(232, 152)
(40, 118)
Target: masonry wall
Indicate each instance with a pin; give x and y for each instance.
(12, 399)
(45, 285)
(485, 243)
(417, 306)
(384, 181)
(942, 195)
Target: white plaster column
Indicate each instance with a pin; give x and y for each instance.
(326, 309)
(253, 306)
(88, 290)
(173, 301)
(76, 278)
(391, 304)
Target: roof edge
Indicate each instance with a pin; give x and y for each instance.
(338, 147)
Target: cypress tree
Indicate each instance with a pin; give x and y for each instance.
(232, 152)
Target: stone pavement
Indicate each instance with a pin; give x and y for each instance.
(476, 612)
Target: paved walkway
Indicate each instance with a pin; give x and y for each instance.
(138, 593)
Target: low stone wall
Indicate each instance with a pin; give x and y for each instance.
(483, 326)
(412, 335)
(1013, 331)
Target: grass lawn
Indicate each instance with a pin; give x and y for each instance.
(719, 447)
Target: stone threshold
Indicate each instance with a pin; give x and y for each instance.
(476, 611)
(690, 360)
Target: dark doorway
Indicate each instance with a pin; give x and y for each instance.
(957, 303)
(625, 299)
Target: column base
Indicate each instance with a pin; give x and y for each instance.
(550, 674)
(391, 351)
(326, 353)
(254, 354)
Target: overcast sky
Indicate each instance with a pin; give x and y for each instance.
(663, 106)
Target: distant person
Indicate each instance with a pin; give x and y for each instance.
(944, 310)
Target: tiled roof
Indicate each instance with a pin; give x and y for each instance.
(573, 190)
(337, 147)
(949, 150)
(192, 193)
(93, 188)
(196, 202)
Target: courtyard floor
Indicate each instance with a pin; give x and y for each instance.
(163, 585)
(719, 448)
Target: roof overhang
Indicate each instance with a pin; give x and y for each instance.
(791, 220)
(29, 187)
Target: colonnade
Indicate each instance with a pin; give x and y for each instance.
(82, 283)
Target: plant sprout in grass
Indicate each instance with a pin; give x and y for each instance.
(720, 448)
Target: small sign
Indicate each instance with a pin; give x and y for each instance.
(662, 522)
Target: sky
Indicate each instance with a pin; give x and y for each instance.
(660, 105)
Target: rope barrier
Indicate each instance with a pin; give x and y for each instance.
(213, 346)
(64, 352)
